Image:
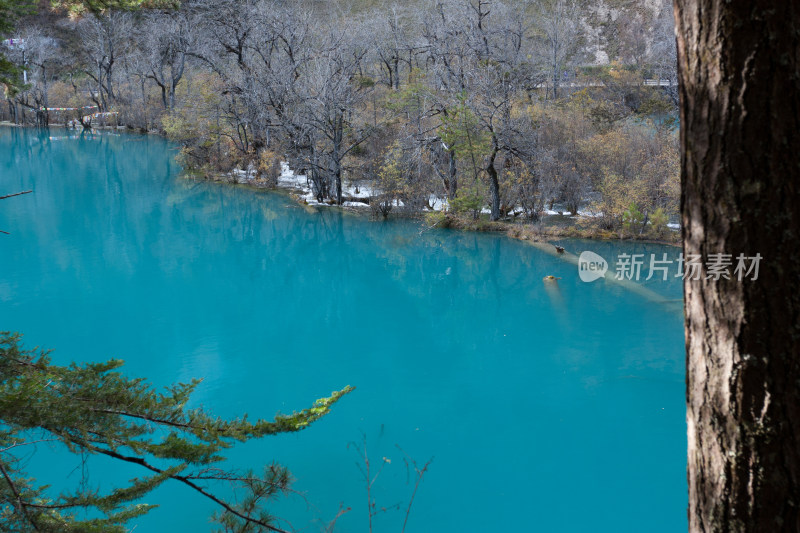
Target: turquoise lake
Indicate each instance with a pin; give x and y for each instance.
(546, 408)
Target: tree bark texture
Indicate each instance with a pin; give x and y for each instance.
(740, 124)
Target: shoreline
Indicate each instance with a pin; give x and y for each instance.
(527, 231)
(289, 182)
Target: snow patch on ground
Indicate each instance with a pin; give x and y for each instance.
(288, 179)
(299, 183)
(244, 175)
(438, 204)
(358, 191)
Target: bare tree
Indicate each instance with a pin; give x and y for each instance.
(663, 55)
(500, 73)
(395, 44)
(450, 56)
(557, 24)
(104, 39)
(38, 54)
(330, 97)
(167, 39)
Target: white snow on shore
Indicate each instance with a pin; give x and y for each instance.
(299, 183)
(438, 204)
(288, 179)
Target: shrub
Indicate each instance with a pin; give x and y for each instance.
(470, 200)
(658, 221)
(633, 220)
(269, 166)
(437, 219)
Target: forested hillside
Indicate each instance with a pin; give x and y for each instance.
(514, 109)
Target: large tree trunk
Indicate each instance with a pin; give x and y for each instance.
(494, 185)
(740, 124)
(452, 172)
(338, 137)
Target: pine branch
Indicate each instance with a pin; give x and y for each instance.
(19, 503)
(92, 408)
(187, 481)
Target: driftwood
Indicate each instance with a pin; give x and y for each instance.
(11, 196)
(15, 194)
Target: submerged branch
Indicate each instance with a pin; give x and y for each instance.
(15, 194)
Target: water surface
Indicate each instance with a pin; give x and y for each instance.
(545, 408)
